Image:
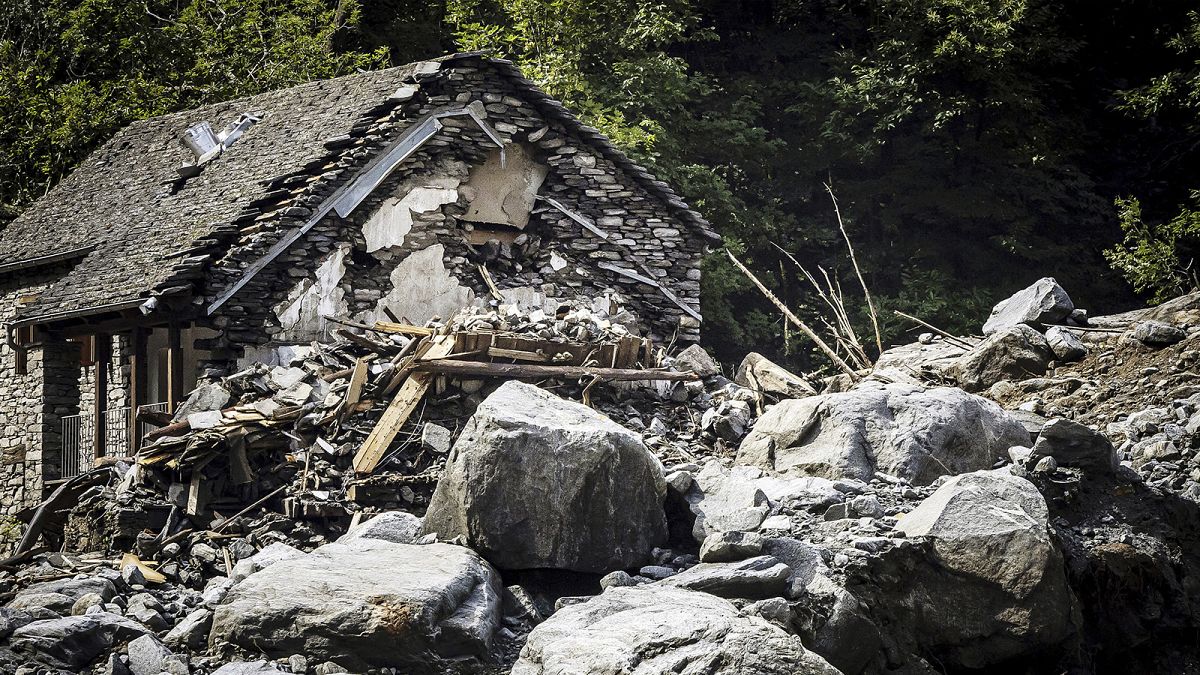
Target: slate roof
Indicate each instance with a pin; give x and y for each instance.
(121, 202)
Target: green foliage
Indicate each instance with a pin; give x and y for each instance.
(74, 71)
(1158, 259)
(974, 145)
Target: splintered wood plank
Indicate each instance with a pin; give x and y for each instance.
(402, 328)
(357, 379)
(398, 411)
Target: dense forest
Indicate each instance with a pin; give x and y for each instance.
(972, 145)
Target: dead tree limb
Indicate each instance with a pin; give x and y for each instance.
(854, 259)
(957, 341)
(837, 360)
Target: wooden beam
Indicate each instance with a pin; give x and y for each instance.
(403, 329)
(528, 370)
(398, 411)
(174, 367)
(101, 356)
(138, 377)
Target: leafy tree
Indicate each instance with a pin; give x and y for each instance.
(1158, 259)
(72, 72)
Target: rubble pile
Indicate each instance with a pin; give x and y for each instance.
(518, 492)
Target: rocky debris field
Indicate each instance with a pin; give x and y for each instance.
(1023, 502)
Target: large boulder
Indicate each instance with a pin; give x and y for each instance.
(836, 626)
(907, 431)
(998, 589)
(1066, 345)
(1045, 302)
(1073, 444)
(535, 481)
(659, 630)
(74, 641)
(1013, 353)
(759, 577)
(1158, 334)
(60, 595)
(369, 603)
(766, 377)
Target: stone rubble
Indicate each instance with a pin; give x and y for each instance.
(1044, 523)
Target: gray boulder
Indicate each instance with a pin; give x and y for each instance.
(1045, 302)
(369, 603)
(660, 630)
(695, 359)
(535, 481)
(753, 578)
(59, 596)
(1158, 334)
(271, 554)
(12, 619)
(1066, 345)
(804, 559)
(730, 546)
(837, 628)
(1073, 444)
(1012, 353)
(74, 641)
(906, 431)
(192, 631)
(766, 377)
(149, 656)
(998, 588)
(397, 527)
(722, 500)
(738, 499)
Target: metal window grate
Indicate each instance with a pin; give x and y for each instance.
(78, 437)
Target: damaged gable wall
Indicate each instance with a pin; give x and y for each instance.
(416, 242)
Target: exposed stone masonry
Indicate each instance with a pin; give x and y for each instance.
(645, 237)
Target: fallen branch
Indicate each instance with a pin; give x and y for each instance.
(837, 360)
(529, 370)
(250, 508)
(854, 259)
(957, 341)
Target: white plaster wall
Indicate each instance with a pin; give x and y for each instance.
(504, 195)
(421, 288)
(393, 220)
(300, 315)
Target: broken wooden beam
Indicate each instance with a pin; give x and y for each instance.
(398, 411)
(402, 329)
(528, 370)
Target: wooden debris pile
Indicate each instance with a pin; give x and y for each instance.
(365, 422)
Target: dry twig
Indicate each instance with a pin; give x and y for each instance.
(804, 328)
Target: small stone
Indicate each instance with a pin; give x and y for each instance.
(1045, 465)
(618, 578)
(435, 438)
(656, 572)
(132, 575)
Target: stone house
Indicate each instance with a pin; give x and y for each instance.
(176, 251)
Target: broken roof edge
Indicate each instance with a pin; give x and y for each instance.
(555, 110)
(350, 194)
(46, 260)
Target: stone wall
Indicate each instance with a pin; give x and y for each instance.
(31, 405)
(415, 244)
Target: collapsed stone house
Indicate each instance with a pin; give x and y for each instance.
(175, 251)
